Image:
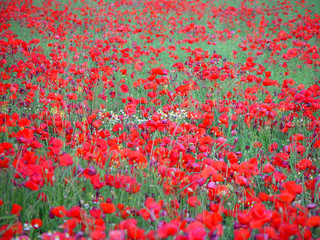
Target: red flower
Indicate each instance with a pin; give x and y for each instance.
(16, 209)
(74, 212)
(43, 197)
(97, 123)
(117, 127)
(56, 145)
(242, 234)
(210, 219)
(152, 95)
(303, 164)
(272, 147)
(154, 207)
(317, 144)
(313, 221)
(287, 230)
(292, 187)
(24, 122)
(32, 185)
(59, 212)
(123, 71)
(179, 66)
(144, 213)
(167, 230)
(8, 231)
(260, 215)
(108, 208)
(97, 234)
(130, 109)
(232, 157)
(208, 171)
(36, 223)
(268, 168)
(117, 235)
(263, 196)
(224, 119)
(5, 163)
(271, 232)
(132, 230)
(124, 88)
(66, 160)
(96, 182)
(196, 231)
(194, 202)
(257, 145)
(279, 177)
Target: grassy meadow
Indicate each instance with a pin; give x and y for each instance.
(159, 119)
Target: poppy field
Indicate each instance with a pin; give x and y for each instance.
(159, 119)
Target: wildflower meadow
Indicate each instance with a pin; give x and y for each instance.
(160, 119)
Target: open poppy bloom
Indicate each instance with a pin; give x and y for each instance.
(36, 223)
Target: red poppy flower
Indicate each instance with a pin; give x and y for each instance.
(153, 206)
(259, 216)
(24, 122)
(8, 231)
(56, 145)
(108, 208)
(132, 230)
(268, 168)
(97, 234)
(242, 234)
(175, 204)
(152, 95)
(317, 144)
(179, 66)
(65, 160)
(74, 212)
(272, 147)
(287, 230)
(16, 209)
(167, 230)
(43, 197)
(279, 177)
(303, 164)
(210, 219)
(97, 123)
(313, 221)
(292, 187)
(232, 157)
(144, 213)
(124, 88)
(117, 127)
(117, 235)
(59, 212)
(194, 202)
(196, 231)
(130, 109)
(224, 119)
(257, 145)
(36, 223)
(208, 171)
(123, 71)
(32, 185)
(4, 163)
